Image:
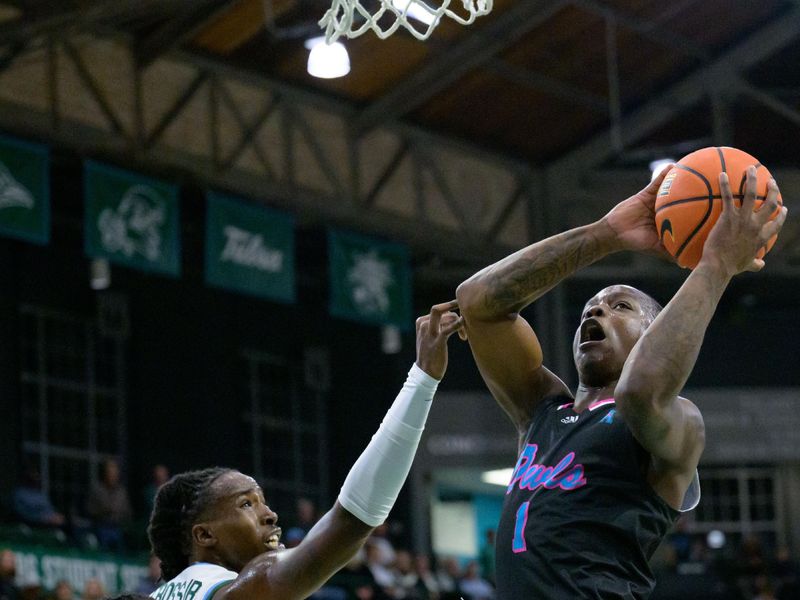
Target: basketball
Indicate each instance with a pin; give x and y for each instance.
(689, 200)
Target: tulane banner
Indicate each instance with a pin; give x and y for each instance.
(370, 280)
(132, 220)
(45, 567)
(24, 190)
(249, 249)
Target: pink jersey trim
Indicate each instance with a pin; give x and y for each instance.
(600, 403)
(567, 405)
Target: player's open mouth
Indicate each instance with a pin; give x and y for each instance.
(591, 331)
(274, 540)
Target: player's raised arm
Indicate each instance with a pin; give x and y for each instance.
(371, 487)
(505, 347)
(669, 427)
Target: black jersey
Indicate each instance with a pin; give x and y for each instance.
(579, 519)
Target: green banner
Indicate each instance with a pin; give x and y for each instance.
(24, 190)
(249, 248)
(38, 565)
(132, 220)
(370, 280)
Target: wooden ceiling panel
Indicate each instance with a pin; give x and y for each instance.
(237, 25)
(505, 116)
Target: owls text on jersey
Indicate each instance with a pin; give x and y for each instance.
(199, 581)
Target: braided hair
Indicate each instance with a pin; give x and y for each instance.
(178, 505)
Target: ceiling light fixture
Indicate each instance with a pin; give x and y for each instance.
(327, 61)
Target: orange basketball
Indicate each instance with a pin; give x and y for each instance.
(689, 201)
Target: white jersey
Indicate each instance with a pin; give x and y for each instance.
(199, 581)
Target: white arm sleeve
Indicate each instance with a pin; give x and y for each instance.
(372, 486)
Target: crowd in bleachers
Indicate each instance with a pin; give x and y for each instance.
(686, 566)
(106, 521)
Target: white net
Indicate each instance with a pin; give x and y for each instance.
(351, 19)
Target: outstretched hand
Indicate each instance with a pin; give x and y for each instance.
(633, 220)
(740, 232)
(433, 331)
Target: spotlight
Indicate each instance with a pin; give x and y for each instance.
(327, 61)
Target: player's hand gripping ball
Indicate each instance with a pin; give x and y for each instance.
(689, 201)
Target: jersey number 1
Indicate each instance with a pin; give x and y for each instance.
(518, 545)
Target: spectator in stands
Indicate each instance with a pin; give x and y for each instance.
(306, 515)
(63, 591)
(422, 563)
(765, 590)
(473, 586)
(159, 477)
(448, 574)
(380, 539)
(787, 574)
(354, 581)
(406, 581)
(486, 557)
(8, 573)
(381, 573)
(149, 582)
(93, 590)
(31, 505)
(110, 507)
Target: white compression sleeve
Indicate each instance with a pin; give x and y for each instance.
(372, 486)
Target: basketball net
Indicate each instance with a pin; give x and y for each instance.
(345, 17)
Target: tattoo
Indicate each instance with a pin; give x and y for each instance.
(519, 279)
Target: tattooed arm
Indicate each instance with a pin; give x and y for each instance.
(668, 426)
(505, 347)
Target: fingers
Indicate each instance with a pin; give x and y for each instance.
(652, 187)
(773, 227)
(750, 190)
(725, 192)
(437, 310)
(756, 265)
(770, 204)
(454, 325)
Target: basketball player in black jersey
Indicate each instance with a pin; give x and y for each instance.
(602, 473)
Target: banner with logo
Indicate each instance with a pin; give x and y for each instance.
(370, 280)
(42, 566)
(24, 190)
(249, 248)
(131, 219)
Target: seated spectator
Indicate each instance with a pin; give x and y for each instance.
(160, 476)
(448, 575)
(407, 583)
(31, 505)
(149, 582)
(93, 590)
(380, 539)
(381, 573)
(8, 573)
(473, 586)
(306, 517)
(110, 507)
(422, 563)
(63, 591)
(356, 581)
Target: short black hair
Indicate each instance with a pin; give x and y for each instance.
(178, 504)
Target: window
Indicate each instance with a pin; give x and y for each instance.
(73, 401)
(287, 425)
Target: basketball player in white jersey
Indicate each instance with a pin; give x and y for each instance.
(217, 538)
